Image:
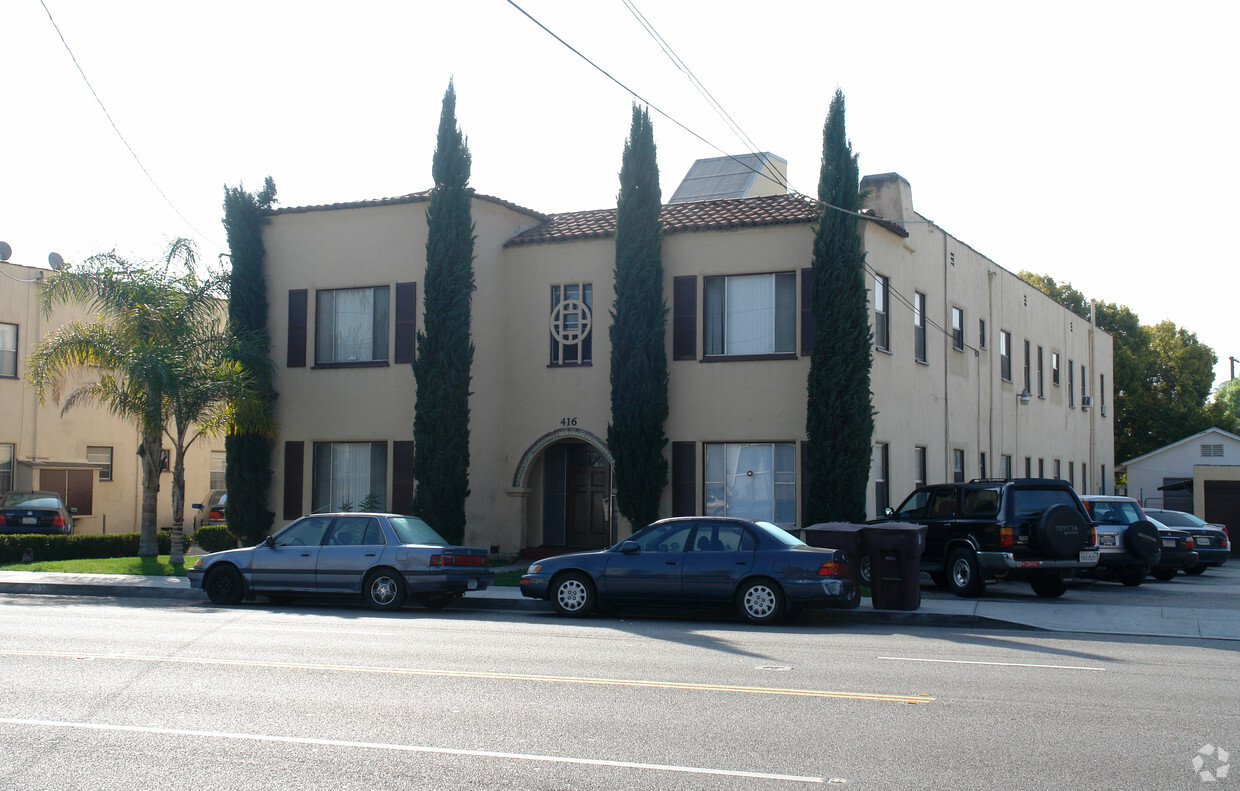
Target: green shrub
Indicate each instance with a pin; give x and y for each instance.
(41, 547)
(215, 538)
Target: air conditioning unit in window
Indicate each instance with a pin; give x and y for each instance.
(1086, 402)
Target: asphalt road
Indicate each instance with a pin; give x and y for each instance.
(124, 694)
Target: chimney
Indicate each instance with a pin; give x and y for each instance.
(890, 195)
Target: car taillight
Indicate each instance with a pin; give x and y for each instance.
(1005, 536)
(1188, 543)
(832, 569)
(1093, 537)
(215, 515)
(457, 560)
(58, 521)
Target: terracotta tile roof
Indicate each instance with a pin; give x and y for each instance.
(680, 217)
(413, 197)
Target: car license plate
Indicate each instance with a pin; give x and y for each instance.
(1169, 542)
(30, 520)
(472, 584)
(1089, 557)
(1203, 541)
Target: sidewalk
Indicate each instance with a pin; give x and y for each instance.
(1055, 616)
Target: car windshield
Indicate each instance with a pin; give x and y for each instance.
(411, 530)
(30, 500)
(1115, 513)
(1178, 519)
(780, 535)
(1032, 502)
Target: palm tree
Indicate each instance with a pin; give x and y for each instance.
(165, 358)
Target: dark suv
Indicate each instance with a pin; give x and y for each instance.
(1032, 529)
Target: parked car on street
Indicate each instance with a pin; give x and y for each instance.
(1032, 529)
(212, 507)
(35, 512)
(1134, 546)
(760, 568)
(1212, 542)
(387, 558)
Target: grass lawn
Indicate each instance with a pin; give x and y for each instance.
(158, 567)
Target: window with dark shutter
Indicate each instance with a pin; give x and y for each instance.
(684, 318)
(684, 478)
(406, 323)
(808, 325)
(297, 329)
(294, 457)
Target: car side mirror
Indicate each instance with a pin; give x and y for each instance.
(197, 506)
(269, 541)
(630, 547)
(889, 512)
(73, 509)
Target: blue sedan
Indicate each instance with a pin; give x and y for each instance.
(759, 567)
(384, 557)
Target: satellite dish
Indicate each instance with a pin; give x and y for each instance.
(5, 251)
(55, 261)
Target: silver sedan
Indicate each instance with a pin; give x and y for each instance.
(387, 558)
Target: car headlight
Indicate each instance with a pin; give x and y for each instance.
(534, 568)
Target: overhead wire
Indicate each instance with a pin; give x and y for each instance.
(116, 129)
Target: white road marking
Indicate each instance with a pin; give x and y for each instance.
(996, 664)
(409, 748)
(303, 631)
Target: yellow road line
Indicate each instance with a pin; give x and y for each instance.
(401, 671)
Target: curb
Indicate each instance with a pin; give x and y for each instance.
(101, 589)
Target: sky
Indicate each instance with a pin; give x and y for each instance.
(1090, 141)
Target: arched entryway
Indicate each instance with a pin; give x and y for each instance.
(568, 476)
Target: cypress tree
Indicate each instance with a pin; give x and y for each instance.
(839, 418)
(247, 474)
(441, 367)
(639, 405)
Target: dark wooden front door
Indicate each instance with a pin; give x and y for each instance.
(587, 482)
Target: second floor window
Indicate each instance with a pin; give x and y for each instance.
(102, 456)
(750, 314)
(8, 350)
(919, 326)
(882, 316)
(1005, 355)
(351, 325)
(1041, 389)
(958, 328)
(572, 319)
(1055, 368)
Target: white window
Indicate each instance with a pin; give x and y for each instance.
(882, 315)
(102, 456)
(750, 314)
(1005, 467)
(8, 350)
(919, 326)
(881, 496)
(1055, 368)
(6, 468)
(351, 325)
(958, 465)
(1005, 355)
(751, 481)
(919, 466)
(958, 328)
(572, 318)
(219, 459)
(349, 476)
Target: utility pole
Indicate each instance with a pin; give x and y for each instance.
(1233, 362)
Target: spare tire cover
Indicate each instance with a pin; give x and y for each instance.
(1142, 541)
(1062, 531)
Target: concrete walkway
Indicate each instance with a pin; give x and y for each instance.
(1060, 615)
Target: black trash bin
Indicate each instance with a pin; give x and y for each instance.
(895, 550)
(844, 536)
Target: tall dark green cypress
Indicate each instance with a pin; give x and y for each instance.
(639, 406)
(248, 474)
(839, 417)
(441, 367)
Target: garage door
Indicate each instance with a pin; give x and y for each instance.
(1223, 507)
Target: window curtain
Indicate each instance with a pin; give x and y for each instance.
(750, 315)
(347, 473)
(8, 350)
(354, 338)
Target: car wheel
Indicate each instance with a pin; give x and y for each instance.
(573, 595)
(1163, 573)
(939, 578)
(1049, 586)
(760, 601)
(1197, 570)
(1132, 577)
(865, 569)
(437, 602)
(384, 589)
(964, 575)
(224, 585)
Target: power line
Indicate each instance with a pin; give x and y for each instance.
(116, 129)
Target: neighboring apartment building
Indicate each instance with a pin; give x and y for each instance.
(86, 454)
(958, 340)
